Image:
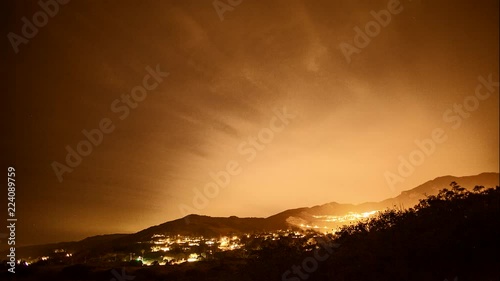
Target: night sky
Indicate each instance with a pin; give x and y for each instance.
(227, 79)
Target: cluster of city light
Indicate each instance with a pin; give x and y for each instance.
(312, 226)
(331, 223)
(349, 217)
(165, 243)
(192, 258)
(58, 253)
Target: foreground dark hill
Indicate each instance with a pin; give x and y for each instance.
(449, 236)
(196, 225)
(411, 197)
(453, 235)
(407, 199)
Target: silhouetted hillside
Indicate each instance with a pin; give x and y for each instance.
(411, 197)
(76, 246)
(208, 226)
(197, 225)
(406, 199)
(454, 234)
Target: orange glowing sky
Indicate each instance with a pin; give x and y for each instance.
(352, 121)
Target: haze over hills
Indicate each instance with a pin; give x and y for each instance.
(333, 215)
(410, 197)
(323, 218)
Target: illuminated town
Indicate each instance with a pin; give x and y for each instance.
(168, 249)
(329, 223)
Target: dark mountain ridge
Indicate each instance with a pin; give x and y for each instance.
(200, 225)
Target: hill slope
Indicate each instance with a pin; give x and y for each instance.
(324, 217)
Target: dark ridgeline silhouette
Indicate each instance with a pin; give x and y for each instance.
(453, 235)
